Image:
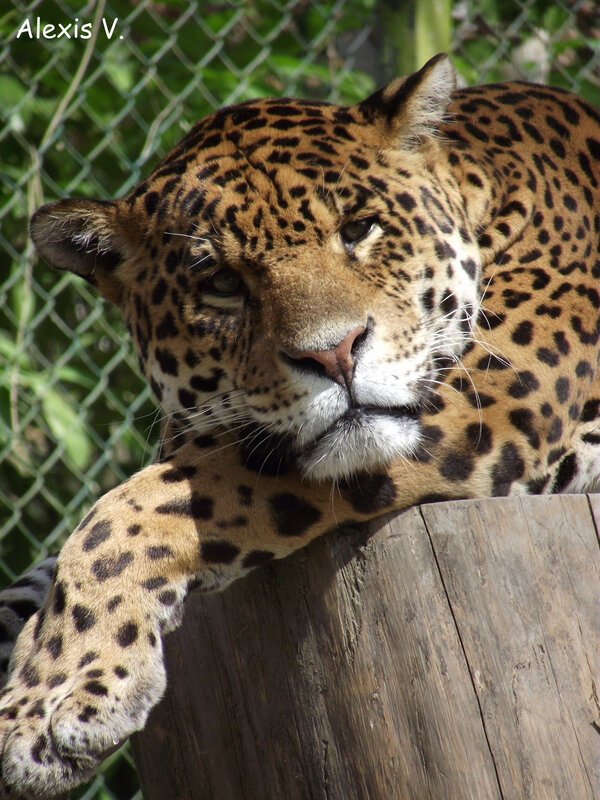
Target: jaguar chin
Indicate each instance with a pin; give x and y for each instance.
(361, 440)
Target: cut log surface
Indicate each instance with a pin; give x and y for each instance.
(450, 653)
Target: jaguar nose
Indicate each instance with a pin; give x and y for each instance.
(336, 363)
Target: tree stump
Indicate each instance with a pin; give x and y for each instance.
(452, 653)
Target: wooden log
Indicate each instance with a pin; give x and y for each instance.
(453, 654)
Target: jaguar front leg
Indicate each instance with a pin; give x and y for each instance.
(88, 667)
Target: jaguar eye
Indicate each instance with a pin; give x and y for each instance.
(355, 230)
(224, 283)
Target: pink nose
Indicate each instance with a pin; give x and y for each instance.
(337, 363)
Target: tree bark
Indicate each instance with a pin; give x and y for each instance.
(452, 653)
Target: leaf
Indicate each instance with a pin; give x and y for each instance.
(67, 427)
(121, 71)
(12, 92)
(10, 353)
(75, 376)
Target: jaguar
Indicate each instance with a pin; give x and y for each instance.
(342, 311)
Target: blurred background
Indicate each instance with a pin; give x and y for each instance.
(88, 116)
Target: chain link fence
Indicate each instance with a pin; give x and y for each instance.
(88, 105)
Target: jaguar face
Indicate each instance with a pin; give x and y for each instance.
(297, 274)
(314, 323)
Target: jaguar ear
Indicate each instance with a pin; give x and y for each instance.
(84, 237)
(412, 108)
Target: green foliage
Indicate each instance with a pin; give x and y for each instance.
(60, 412)
(540, 40)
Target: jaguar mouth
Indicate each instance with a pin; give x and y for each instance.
(357, 416)
(357, 413)
(364, 438)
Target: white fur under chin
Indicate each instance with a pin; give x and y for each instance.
(358, 446)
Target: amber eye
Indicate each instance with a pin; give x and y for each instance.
(224, 283)
(353, 231)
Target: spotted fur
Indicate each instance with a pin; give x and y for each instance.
(343, 311)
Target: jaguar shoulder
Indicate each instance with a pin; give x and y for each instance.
(343, 311)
